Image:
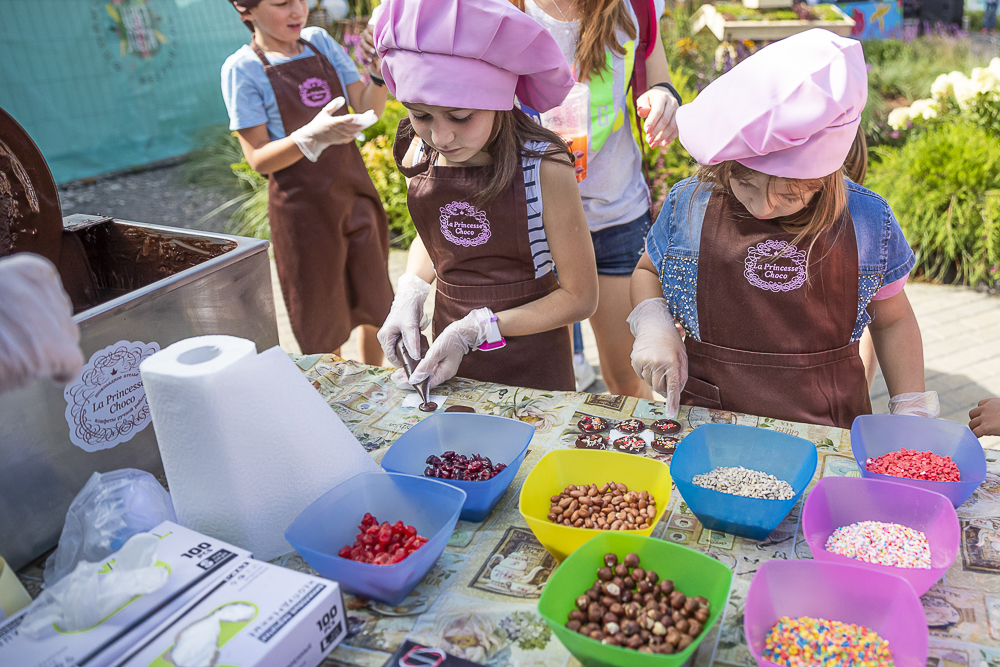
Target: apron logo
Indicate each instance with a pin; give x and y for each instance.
(765, 270)
(315, 92)
(465, 225)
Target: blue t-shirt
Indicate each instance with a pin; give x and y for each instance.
(249, 97)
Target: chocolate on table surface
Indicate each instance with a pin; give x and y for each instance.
(631, 425)
(591, 424)
(665, 426)
(591, 441)
(459, 408)
(630, 444)
(664, 444)
(429, 406)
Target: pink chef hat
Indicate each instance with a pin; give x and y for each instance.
(792, 109)
(474, 54)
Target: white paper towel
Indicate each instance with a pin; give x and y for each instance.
(246, 441)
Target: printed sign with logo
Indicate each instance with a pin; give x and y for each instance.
(463, 224)
(775, 266)
(107, 404)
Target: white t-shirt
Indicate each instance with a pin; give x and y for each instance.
(615, 190)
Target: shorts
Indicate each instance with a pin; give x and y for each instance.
(619, 248)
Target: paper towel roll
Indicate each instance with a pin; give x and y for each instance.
(246, 441)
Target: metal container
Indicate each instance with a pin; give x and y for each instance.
(142, 285)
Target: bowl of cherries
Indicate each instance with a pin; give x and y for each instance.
(479, 454)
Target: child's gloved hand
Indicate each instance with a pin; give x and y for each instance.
(447, 351)
(916, 403)
(328, 130)
(406, 318)
(38, 337)
(658, 354)
(984, 419)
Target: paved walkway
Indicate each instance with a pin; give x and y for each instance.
(960, 328)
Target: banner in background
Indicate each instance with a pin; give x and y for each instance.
(875, 20)
(102, 85)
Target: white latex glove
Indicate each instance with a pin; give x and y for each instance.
(406, 318)
(328, 130)
(38, 337)
(658, 354)
(447, 351)
(916, 403)
(83, 598)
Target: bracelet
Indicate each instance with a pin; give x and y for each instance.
(376, 80)
(670, 89)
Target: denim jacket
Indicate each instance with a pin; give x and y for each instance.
(884, 256)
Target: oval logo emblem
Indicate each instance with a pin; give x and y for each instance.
(775, 266)
(465, 225)
(315, 92)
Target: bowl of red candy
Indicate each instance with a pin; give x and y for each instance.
(931, 454)
(479, 454)
(378, 534)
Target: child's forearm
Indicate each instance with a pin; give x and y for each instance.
(558, 309)
(268, 156)
(363, 98)
(898, 344)
(419, 263)
(645, 282)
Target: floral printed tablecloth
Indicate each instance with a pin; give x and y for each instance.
(479, 601)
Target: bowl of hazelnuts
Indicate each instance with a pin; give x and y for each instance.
(626, 600)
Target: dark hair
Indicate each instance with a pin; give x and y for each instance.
(240, 5)
(512, 130)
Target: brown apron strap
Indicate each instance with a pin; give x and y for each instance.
(260, 53)
(401, 144)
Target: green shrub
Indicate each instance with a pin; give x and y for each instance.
(944, 188)
(391, 186)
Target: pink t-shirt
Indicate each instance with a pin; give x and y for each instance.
(892, 289)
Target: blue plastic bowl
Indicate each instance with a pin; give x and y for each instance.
(502, 440)
(331, 522)
(713, 445)
(875, 435)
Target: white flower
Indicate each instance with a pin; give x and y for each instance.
(925, 109)
(941, 88)
(965, 92)
(899, 118)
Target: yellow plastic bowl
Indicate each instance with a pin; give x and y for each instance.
(562, 467)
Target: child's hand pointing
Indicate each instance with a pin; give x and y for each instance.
(658, 107)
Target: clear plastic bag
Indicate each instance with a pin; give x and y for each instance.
(110, 508)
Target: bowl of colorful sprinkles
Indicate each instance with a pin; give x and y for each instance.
(816, 613)
(740, 479)
(930, 454)
(883, 526)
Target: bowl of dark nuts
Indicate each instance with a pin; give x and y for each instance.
(572, 493)
(479, 454)
(627, 600)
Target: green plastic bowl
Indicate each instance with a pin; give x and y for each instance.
(693, 573)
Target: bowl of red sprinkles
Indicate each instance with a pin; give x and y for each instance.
(931, 454)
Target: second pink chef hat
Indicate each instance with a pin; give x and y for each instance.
(474, 54)
(792, 109)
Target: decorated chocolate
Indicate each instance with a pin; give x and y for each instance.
(665, 426)
(630, 444)
(664, 444)
(631, 426)
(591, 441)
(591, 424)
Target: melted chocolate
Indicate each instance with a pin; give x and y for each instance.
(429, 406)
(459, 408)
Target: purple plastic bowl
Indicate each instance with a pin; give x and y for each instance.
(875, 435)
(831, 591)
(841, 501)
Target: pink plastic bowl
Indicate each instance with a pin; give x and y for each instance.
(845, 593)
(841, 501)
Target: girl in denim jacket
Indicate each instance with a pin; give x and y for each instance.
(770, 259)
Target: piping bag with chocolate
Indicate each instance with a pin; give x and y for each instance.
(410, 364)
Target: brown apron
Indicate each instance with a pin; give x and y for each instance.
(776, 331)
(328, 227)
(482, 258)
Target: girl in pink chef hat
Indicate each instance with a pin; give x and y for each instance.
(771, 260)
(492, 194)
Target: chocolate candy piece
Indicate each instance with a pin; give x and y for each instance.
(459, 408)
(429, 406)
(665, 426)
(631, 426)
(591, 441)
(664, 444)
(591, 424)
(630, 444)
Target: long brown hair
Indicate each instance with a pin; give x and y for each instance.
(599, 21)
